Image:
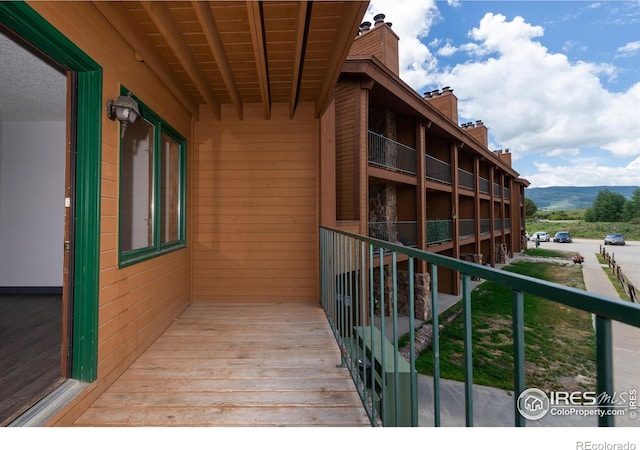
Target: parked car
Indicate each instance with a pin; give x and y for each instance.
(614, 239)
(562, 236)
(543, 236)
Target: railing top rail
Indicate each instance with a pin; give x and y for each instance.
(391, 140)
(460, 169)
(437, 159)
(601, 305)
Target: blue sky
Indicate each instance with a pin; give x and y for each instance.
(556, 82)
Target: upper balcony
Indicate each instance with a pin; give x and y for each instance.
(405, 232)
(391, 155)
(438, 170)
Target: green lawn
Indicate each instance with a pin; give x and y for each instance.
(559, 341)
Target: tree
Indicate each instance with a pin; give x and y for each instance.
(608, 207)
(632, 207)
(530, 207)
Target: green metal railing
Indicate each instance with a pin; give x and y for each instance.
(361, 277)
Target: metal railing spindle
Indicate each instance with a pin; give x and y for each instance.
(435, 323)
(468, 357)
(604, 368)
(412, 347)
(518, 353)
(396, 374)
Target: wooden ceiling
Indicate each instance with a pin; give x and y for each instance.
(237, 52)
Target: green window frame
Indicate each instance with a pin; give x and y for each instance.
(152, 188)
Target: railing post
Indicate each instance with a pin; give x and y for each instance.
(371, 321)
(412, 348)
(468, 357)
(383, 375)
(518, 354)
(396, 375)
(604, 369)
(435, 322)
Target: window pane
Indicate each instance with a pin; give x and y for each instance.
(136, 187)
(170, 190)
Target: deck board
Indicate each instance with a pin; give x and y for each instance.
(235, 365)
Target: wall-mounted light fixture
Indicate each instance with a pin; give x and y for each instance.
(125, 109)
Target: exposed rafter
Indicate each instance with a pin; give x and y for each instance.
(162, 18)
(256, 25)
(119, 17)
(354, 12)
(304, 15)
(208, 24)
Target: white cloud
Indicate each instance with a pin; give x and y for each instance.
(630, 49)
(412, 21)
(535, 101)
(447, 50)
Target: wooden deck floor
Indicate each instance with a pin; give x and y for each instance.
(236, 365)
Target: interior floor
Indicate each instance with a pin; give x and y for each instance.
(30, 350)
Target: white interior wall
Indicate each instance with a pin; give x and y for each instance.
(32, 168)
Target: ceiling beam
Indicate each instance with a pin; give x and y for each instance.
(118, 16)
(161, 16)
(304, 16)
(208, 24)
(349, 23)
(256, 25)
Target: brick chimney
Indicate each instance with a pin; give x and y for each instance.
(478, 131)
(444, 101)
(505, 155)
(379, 41)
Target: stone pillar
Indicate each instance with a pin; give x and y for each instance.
(423, 305)
(501, 254)
(383, 210)
(474, 258)
(422, 293)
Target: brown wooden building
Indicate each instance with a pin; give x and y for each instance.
(406, 171)
(246, 143)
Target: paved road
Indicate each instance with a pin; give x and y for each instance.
(627, 256)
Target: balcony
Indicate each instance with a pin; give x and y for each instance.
(507, 223)
(484, 185)
(497, 225)
(439, 231)
(348, 269)
(391, 155)
(497, 190)
(485, 226)
(466, 228)
(404, 233)
(438, 170)
(465, 179)
(260, 364)
(507, 194)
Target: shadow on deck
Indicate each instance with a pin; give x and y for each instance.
(236, 365)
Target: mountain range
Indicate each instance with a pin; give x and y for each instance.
(571, 197)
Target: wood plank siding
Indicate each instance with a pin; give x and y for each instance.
(255, 207)
(136, 303)
(236, 365)
(346, 164)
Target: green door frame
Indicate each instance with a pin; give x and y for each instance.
(25, 22)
